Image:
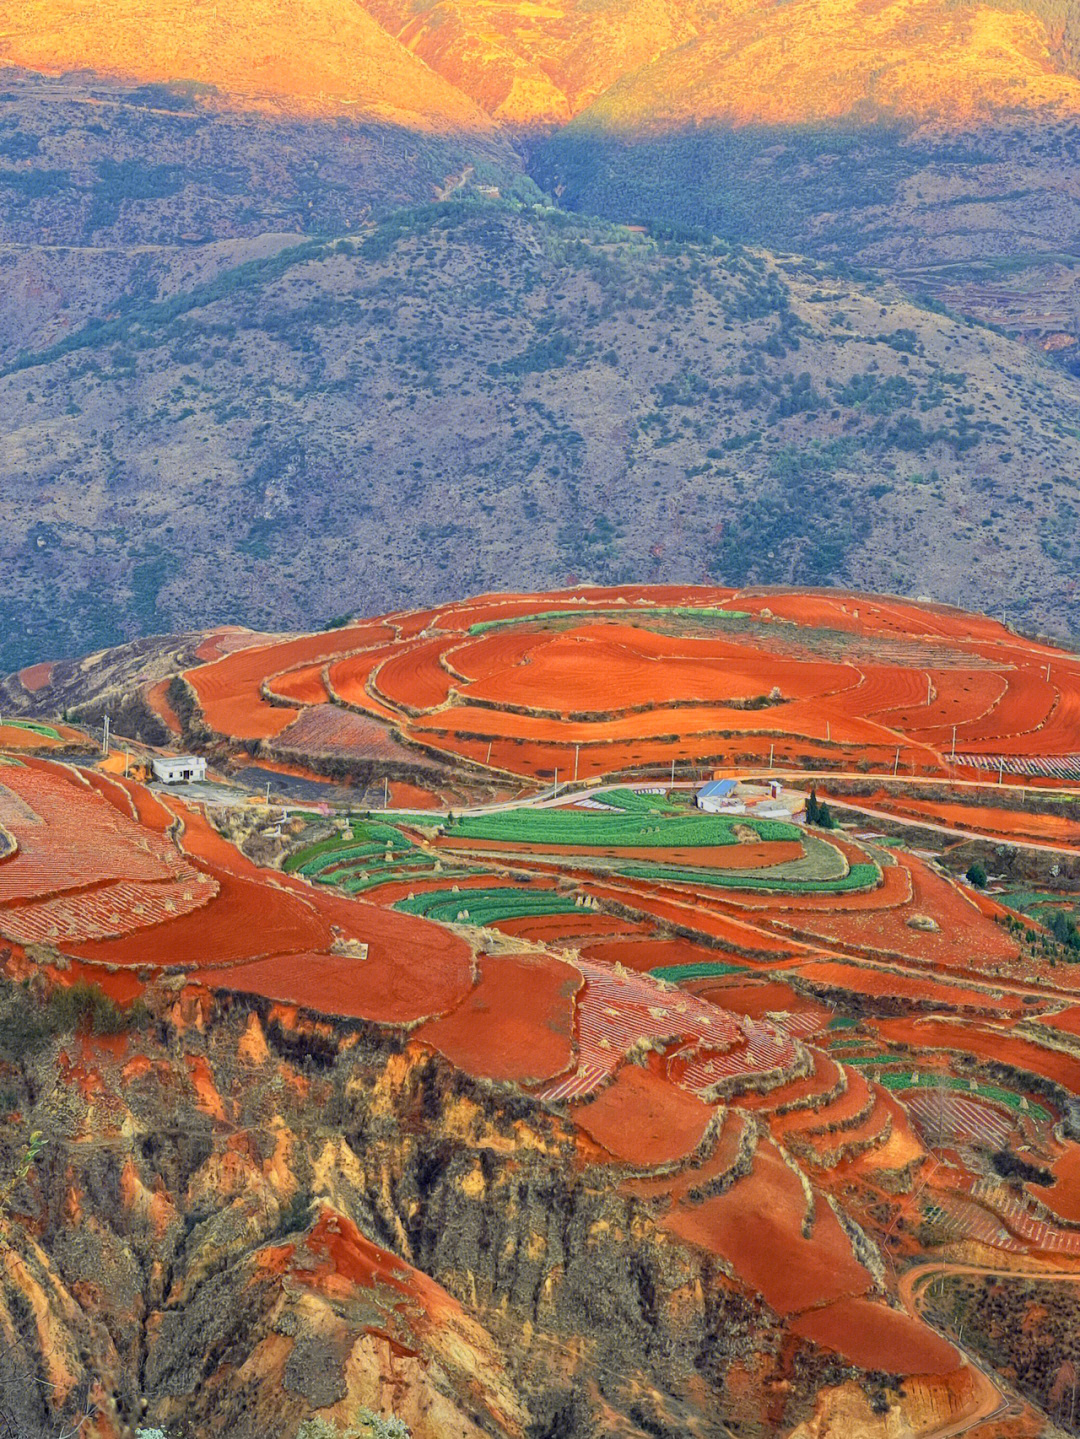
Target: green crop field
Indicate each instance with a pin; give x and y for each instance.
(628, 829)
(34, 727)
(704, 969)
(860, 876)
(487, 906)
(895, 1079)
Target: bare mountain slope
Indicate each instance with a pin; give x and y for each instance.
(477, 391)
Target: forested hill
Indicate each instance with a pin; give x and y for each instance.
(479, 390)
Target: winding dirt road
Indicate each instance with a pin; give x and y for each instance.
(989, 1400)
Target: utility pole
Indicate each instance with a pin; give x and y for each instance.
(577, 754)
(555, 794)
(488, 761)
(672, 774)
(105, 739)
(771, 748)
(267, 791)
(385, 792)
(929, 691)
(126, 758)
(1048, 672)
(954, 744)
(828, 732)
(896, 762)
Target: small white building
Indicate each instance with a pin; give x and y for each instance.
(178, 768)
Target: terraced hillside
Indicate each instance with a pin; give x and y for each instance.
(634, 680)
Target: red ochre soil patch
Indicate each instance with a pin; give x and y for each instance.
(36, 677)
(336, 1259)
(757, 1000)
(993, 1044)
(411, 796)
(684, 907)
(158, 700)
(304, 686)
(1012, 824)
(757, 1227)
(382, 988)
(858, 979)
(643, 1119)
(517, 1024)
(561, 928)
(874, 1336)
(1064, 1196)
(1065, 1019)
(757, 855)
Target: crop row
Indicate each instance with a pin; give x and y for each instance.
(858, 877)
(615, 831)
(704, 969)
(487, 906)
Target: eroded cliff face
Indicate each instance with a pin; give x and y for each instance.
(240, 1218)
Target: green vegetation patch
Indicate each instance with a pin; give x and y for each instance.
(487, 906)
(34, 727)
(895, 1079)
(704, 969)
(628, 829)
(860, 876)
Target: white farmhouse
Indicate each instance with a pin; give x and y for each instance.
(178, 768)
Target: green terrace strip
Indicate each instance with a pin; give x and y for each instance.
(638, 830)
(704, 969)
(858, 877)
(620, 612)
(33, 726)
(367, 838)
(635, 802)
(906, 1078)
(487, 906)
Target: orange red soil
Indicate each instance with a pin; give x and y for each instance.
(852, 674)
(876, 1337)
(642, 1119)
(518, 1023)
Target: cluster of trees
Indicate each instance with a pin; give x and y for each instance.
(818, 812)
(1063, 929)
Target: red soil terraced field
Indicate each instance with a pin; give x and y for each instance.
(17, 737)
(158, 700)
(625, 679)
(760, 1218)
(95, 874)
(1051, 829)
(873, 1336)
(641, 1119)
(518, 1023)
